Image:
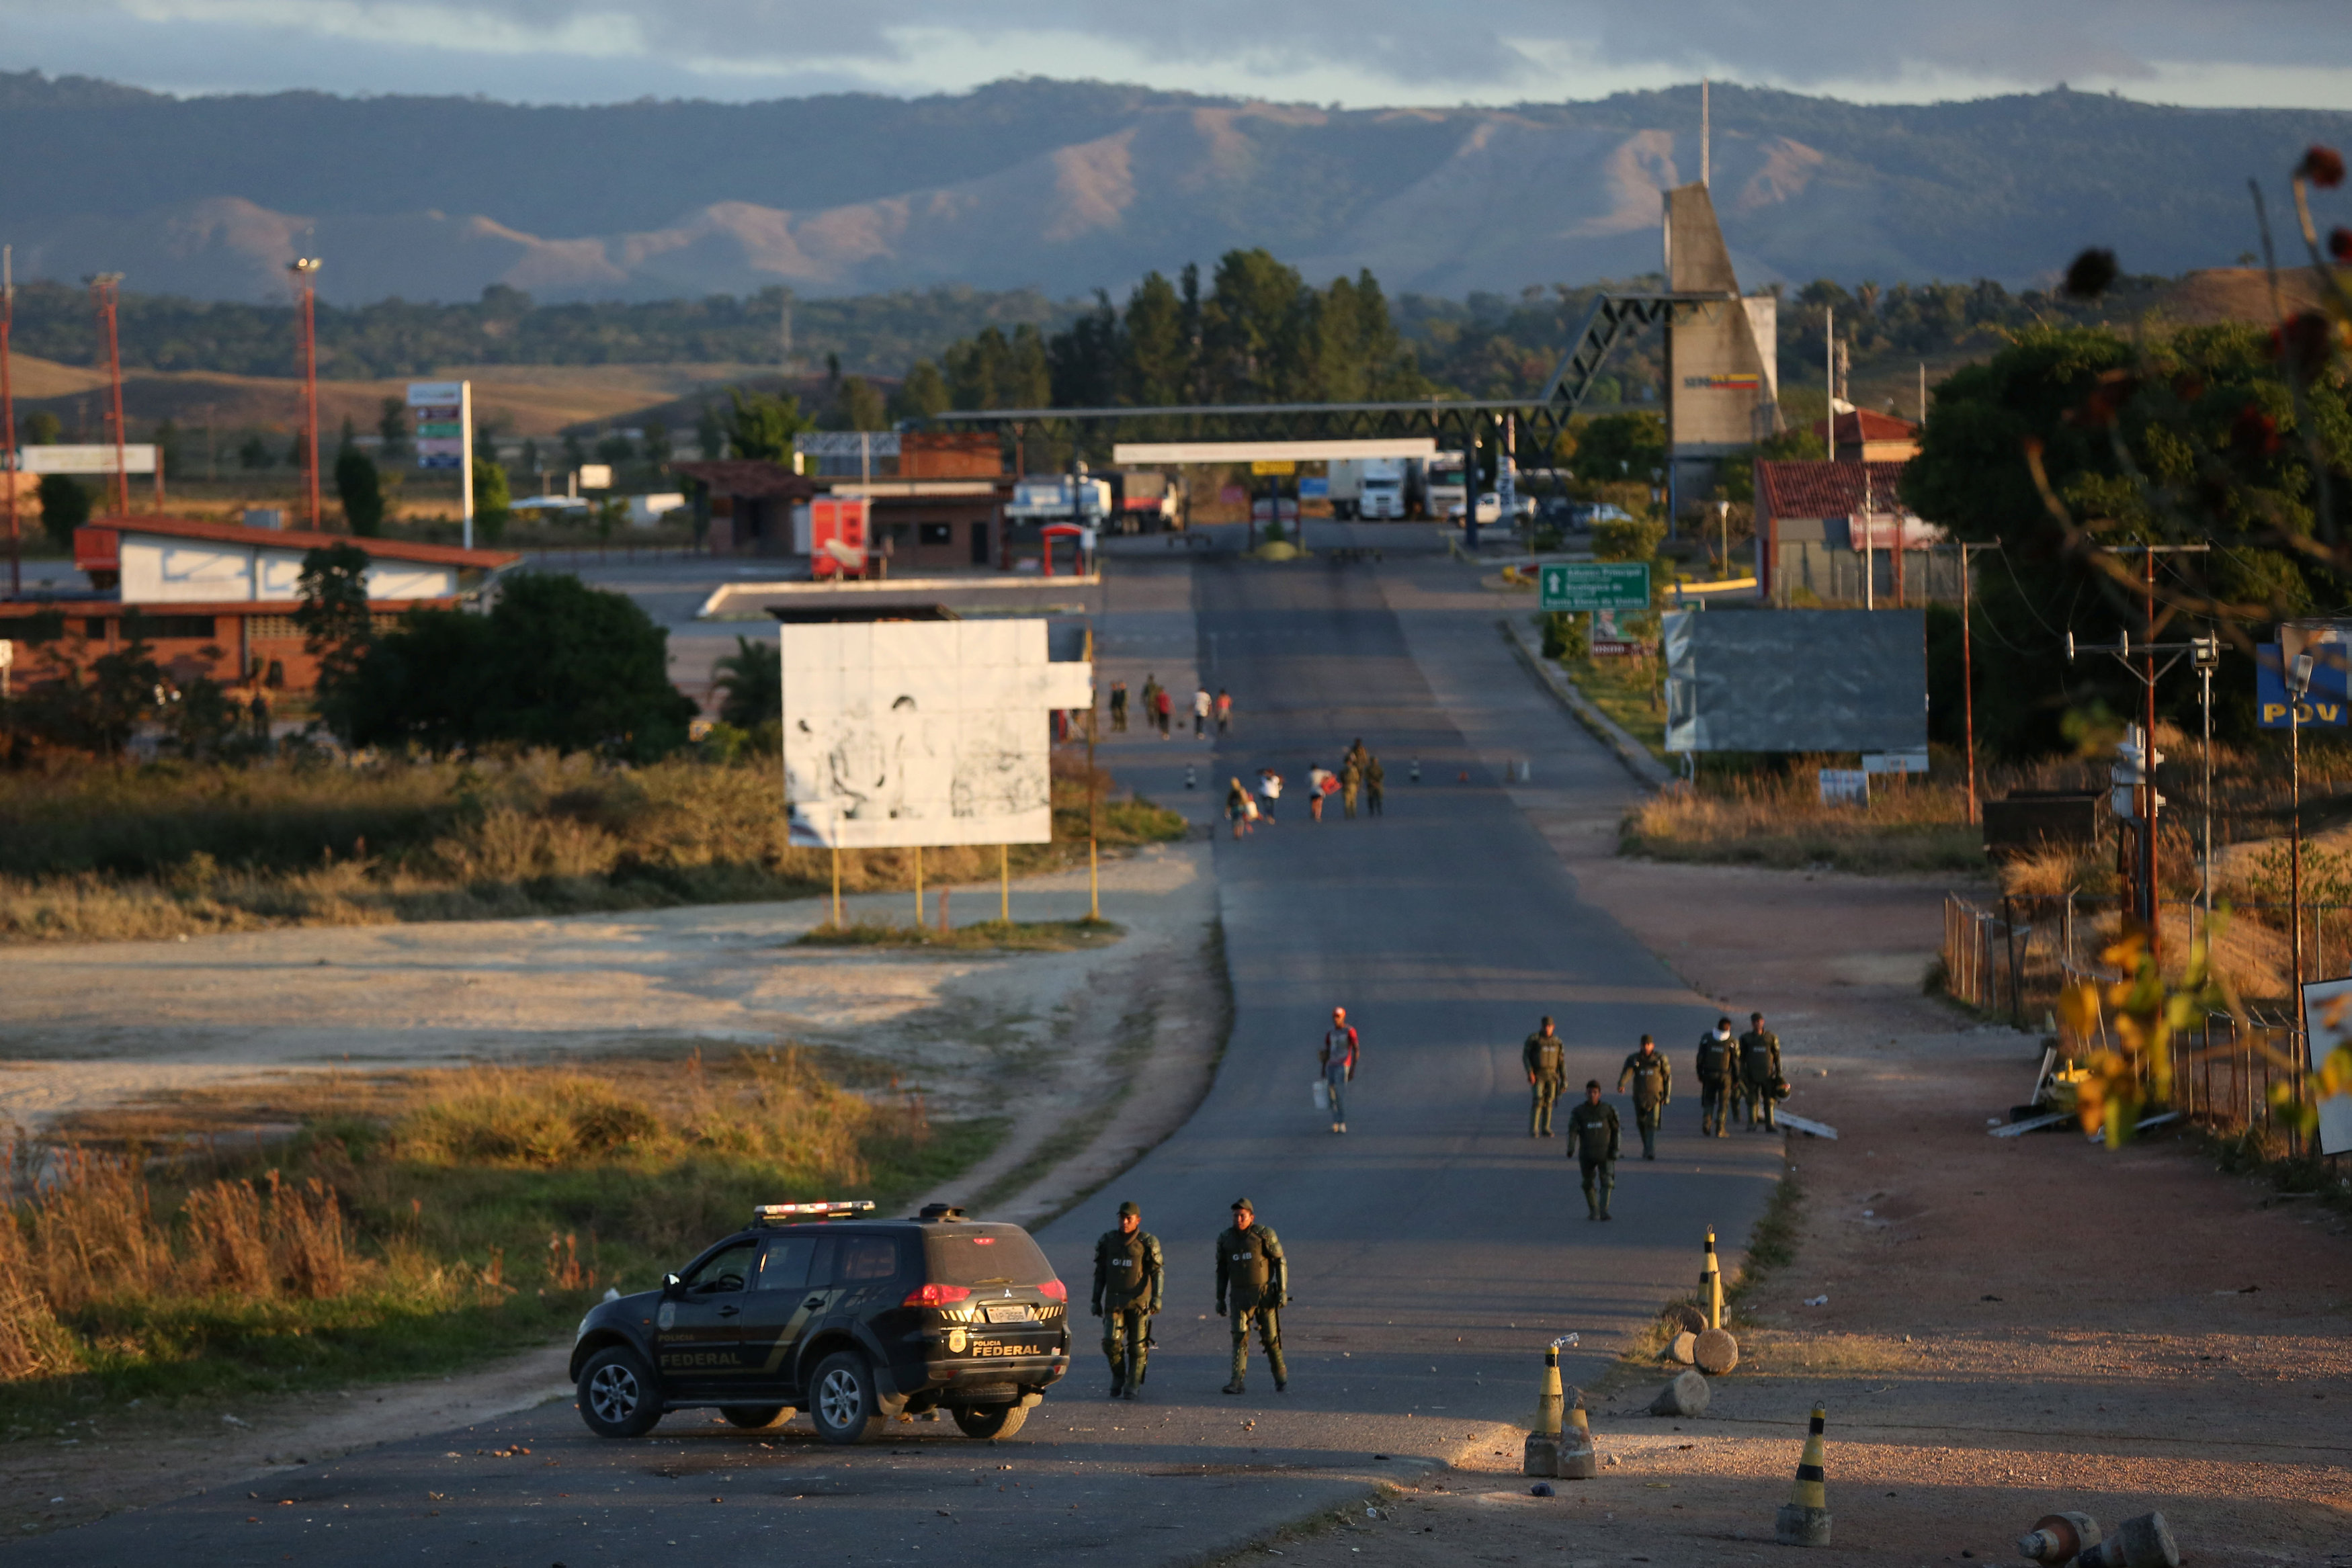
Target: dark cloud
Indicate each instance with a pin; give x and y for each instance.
(738, 48)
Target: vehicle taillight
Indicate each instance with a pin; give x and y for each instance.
(935, 1295)
(1055, 1290)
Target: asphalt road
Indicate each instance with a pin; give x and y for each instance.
(1434, 1248)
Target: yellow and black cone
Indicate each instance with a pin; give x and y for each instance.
(1804, 1519)
(1710, 1284)
(1542, 1454)
(1578, 1462)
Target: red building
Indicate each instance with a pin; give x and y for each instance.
(218, 600)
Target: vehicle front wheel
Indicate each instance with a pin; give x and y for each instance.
(756, 1417)
(618, 1397)
(843, 1401)
(990, 1420)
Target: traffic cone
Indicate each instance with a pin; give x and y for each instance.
(2056, 1539)
(1541, 1455)
(1710, 1284)
(1578, 1462)
(1804, 1519)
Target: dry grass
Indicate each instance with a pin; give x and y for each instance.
(376, 1243)
(1779, 820)
(983, 936)
(155, 852)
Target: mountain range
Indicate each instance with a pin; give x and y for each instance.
(1068, 186)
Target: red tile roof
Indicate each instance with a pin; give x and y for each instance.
(1862, 424)
(754, 478)
(1826, 489)
(303, 538)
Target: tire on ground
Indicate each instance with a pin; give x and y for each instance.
(756, 1417)
(990, 1420)
(845, 1401)
(618, 1395)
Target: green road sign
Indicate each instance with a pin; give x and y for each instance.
(1595, 585)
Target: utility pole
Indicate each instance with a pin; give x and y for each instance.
(1968, 679)
(8, 418)
(1093, 879)
(2298, 683)
(306, 323)
(1705, 135)
(2148, 673)
(104, 288)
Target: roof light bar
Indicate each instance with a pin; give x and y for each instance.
(793, 1212)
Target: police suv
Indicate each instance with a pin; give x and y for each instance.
(854, 1320)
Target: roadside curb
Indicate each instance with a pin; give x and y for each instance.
(1638, 761)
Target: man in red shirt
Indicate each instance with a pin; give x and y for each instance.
(1338, 1062)
(1166, 707)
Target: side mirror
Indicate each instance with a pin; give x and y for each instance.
(672, 1284)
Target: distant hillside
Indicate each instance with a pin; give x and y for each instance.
(1065, 186)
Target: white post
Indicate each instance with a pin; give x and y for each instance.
(1705, 134)
(465, 458)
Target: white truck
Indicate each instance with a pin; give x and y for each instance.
(1372, 488)
(1443, 484)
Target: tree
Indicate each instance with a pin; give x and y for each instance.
(65, 507)
(392, 426)
(1082, 358)
(923, 393)
(253, 452)
(710, 433)
(554, 663)
(171, 448)
(493, 502)
(1155, 367)
(657, 447)
(759, 426)
(1253, 329)
(615, 449)
(334, 618)
(42, 428)
(1621, 447)
(123, 686)
(859, 406)
(753, 679)
(2197, 434)
(362, 490)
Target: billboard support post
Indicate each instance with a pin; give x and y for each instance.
(445, 438)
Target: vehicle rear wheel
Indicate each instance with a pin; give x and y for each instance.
(618, 1396)
(990, 1420)
(755, 1417)
(844, 1400)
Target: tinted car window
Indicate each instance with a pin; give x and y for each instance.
(725, 1269)
(984, 1255)
(866, 1258)
(784, 1263)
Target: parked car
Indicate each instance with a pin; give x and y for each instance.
(854, 1320)
(1585, 514)
(1490, 509)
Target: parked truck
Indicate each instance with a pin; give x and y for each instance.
(1370, 488)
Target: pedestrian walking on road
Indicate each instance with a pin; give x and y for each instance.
(1338, 1059)
(1152, 695)
(1254, 1277)
(1130, 1276)
(1718, 1064)
(1119, 708)
(1164, 706)
(1269, 790)
(1237, 808)
(1373, 778)
(1224, 710)
(1203, 703)
(1546, 1058)
(1653, 1077)
(1319, 783)
(1352, 781)
(1592, 1136)
(1759, 1070)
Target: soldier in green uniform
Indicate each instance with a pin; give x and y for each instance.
(1653, 1077)
(1718, 1064)
(1759, 1069)
(1592, 1137)
(1351, 780)
(1252, 1276)
(1128, 1284)
(1546, 1059)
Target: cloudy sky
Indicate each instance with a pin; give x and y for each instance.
(2287, 53)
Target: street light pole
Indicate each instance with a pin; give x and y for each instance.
(2298, 682)
(304, 268)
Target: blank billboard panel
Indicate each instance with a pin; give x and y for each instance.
(1796, 680)
(904, 734)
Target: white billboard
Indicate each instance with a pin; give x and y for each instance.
(136, 459)
(900, 734)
